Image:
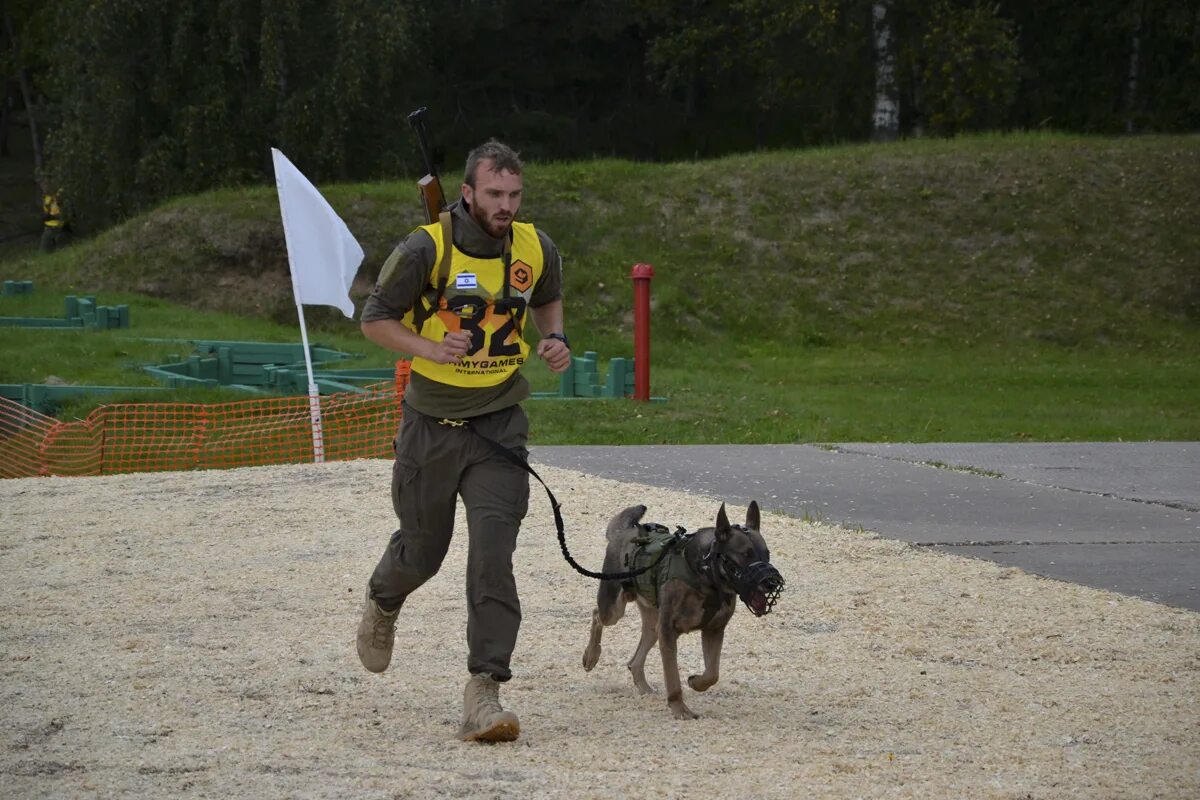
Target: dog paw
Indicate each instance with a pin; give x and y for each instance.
(683, 712)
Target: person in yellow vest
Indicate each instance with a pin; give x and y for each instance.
(458, 299)
(52, 222)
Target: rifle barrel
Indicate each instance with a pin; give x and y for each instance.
(417, 120)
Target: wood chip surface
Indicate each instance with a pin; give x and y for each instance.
(192, 635)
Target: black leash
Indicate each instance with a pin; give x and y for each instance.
(558, 520)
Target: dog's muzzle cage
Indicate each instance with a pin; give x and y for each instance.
(758, 584)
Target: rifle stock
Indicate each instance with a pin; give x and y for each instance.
(433, 199)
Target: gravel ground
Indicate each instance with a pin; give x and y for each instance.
(191, 635)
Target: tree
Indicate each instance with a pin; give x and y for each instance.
(964, 64)
(570, 81)
(146, 99)
(781, 59)
(22, 65)
(161, 97)
(886, 120)
(1107, 65)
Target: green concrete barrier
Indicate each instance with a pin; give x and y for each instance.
(263, 367)
(78, 313)
(17, 287)
(47, 398)
(582, 379)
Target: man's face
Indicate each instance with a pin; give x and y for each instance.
(494, 199)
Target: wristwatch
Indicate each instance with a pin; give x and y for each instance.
(562, 337)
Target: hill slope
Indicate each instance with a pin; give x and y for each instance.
(1061, 239)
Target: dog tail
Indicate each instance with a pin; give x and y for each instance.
(625, 520)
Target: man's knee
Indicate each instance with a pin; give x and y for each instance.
(409, 561)
(422, 559)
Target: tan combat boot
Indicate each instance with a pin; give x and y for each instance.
(483, 718)
(376, 633)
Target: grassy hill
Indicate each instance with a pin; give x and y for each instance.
(1000, 287)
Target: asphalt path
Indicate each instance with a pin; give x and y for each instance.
(1118, 516)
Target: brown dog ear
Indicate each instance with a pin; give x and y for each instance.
(752, 517)
(723, 529)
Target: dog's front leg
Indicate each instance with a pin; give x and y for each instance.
(710, 643)
(591, 653)
(668, 638)
(610, 607)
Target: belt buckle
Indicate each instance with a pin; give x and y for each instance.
(453, 423)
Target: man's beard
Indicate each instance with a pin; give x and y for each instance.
(492, 226)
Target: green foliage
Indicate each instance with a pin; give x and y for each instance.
(150, 99)
(26, 48)
(1076, 63)
(166, 98)
(967, 62)
(765, 60)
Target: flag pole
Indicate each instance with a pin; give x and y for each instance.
(314, 394)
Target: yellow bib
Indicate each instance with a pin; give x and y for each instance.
(474, 301)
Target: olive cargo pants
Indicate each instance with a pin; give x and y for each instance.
(435, 463)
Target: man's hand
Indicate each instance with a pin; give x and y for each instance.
(451, 349)
(556, 354)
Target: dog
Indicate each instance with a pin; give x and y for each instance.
(695, 586)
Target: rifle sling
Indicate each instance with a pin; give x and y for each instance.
(447, 254)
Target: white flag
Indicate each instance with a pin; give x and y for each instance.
(322, 252)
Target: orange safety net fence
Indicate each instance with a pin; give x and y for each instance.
(155, 437)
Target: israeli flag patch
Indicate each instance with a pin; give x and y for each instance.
(465, 280)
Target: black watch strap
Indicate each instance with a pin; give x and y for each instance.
(562, 337)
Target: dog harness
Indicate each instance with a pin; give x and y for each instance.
(658, 547)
